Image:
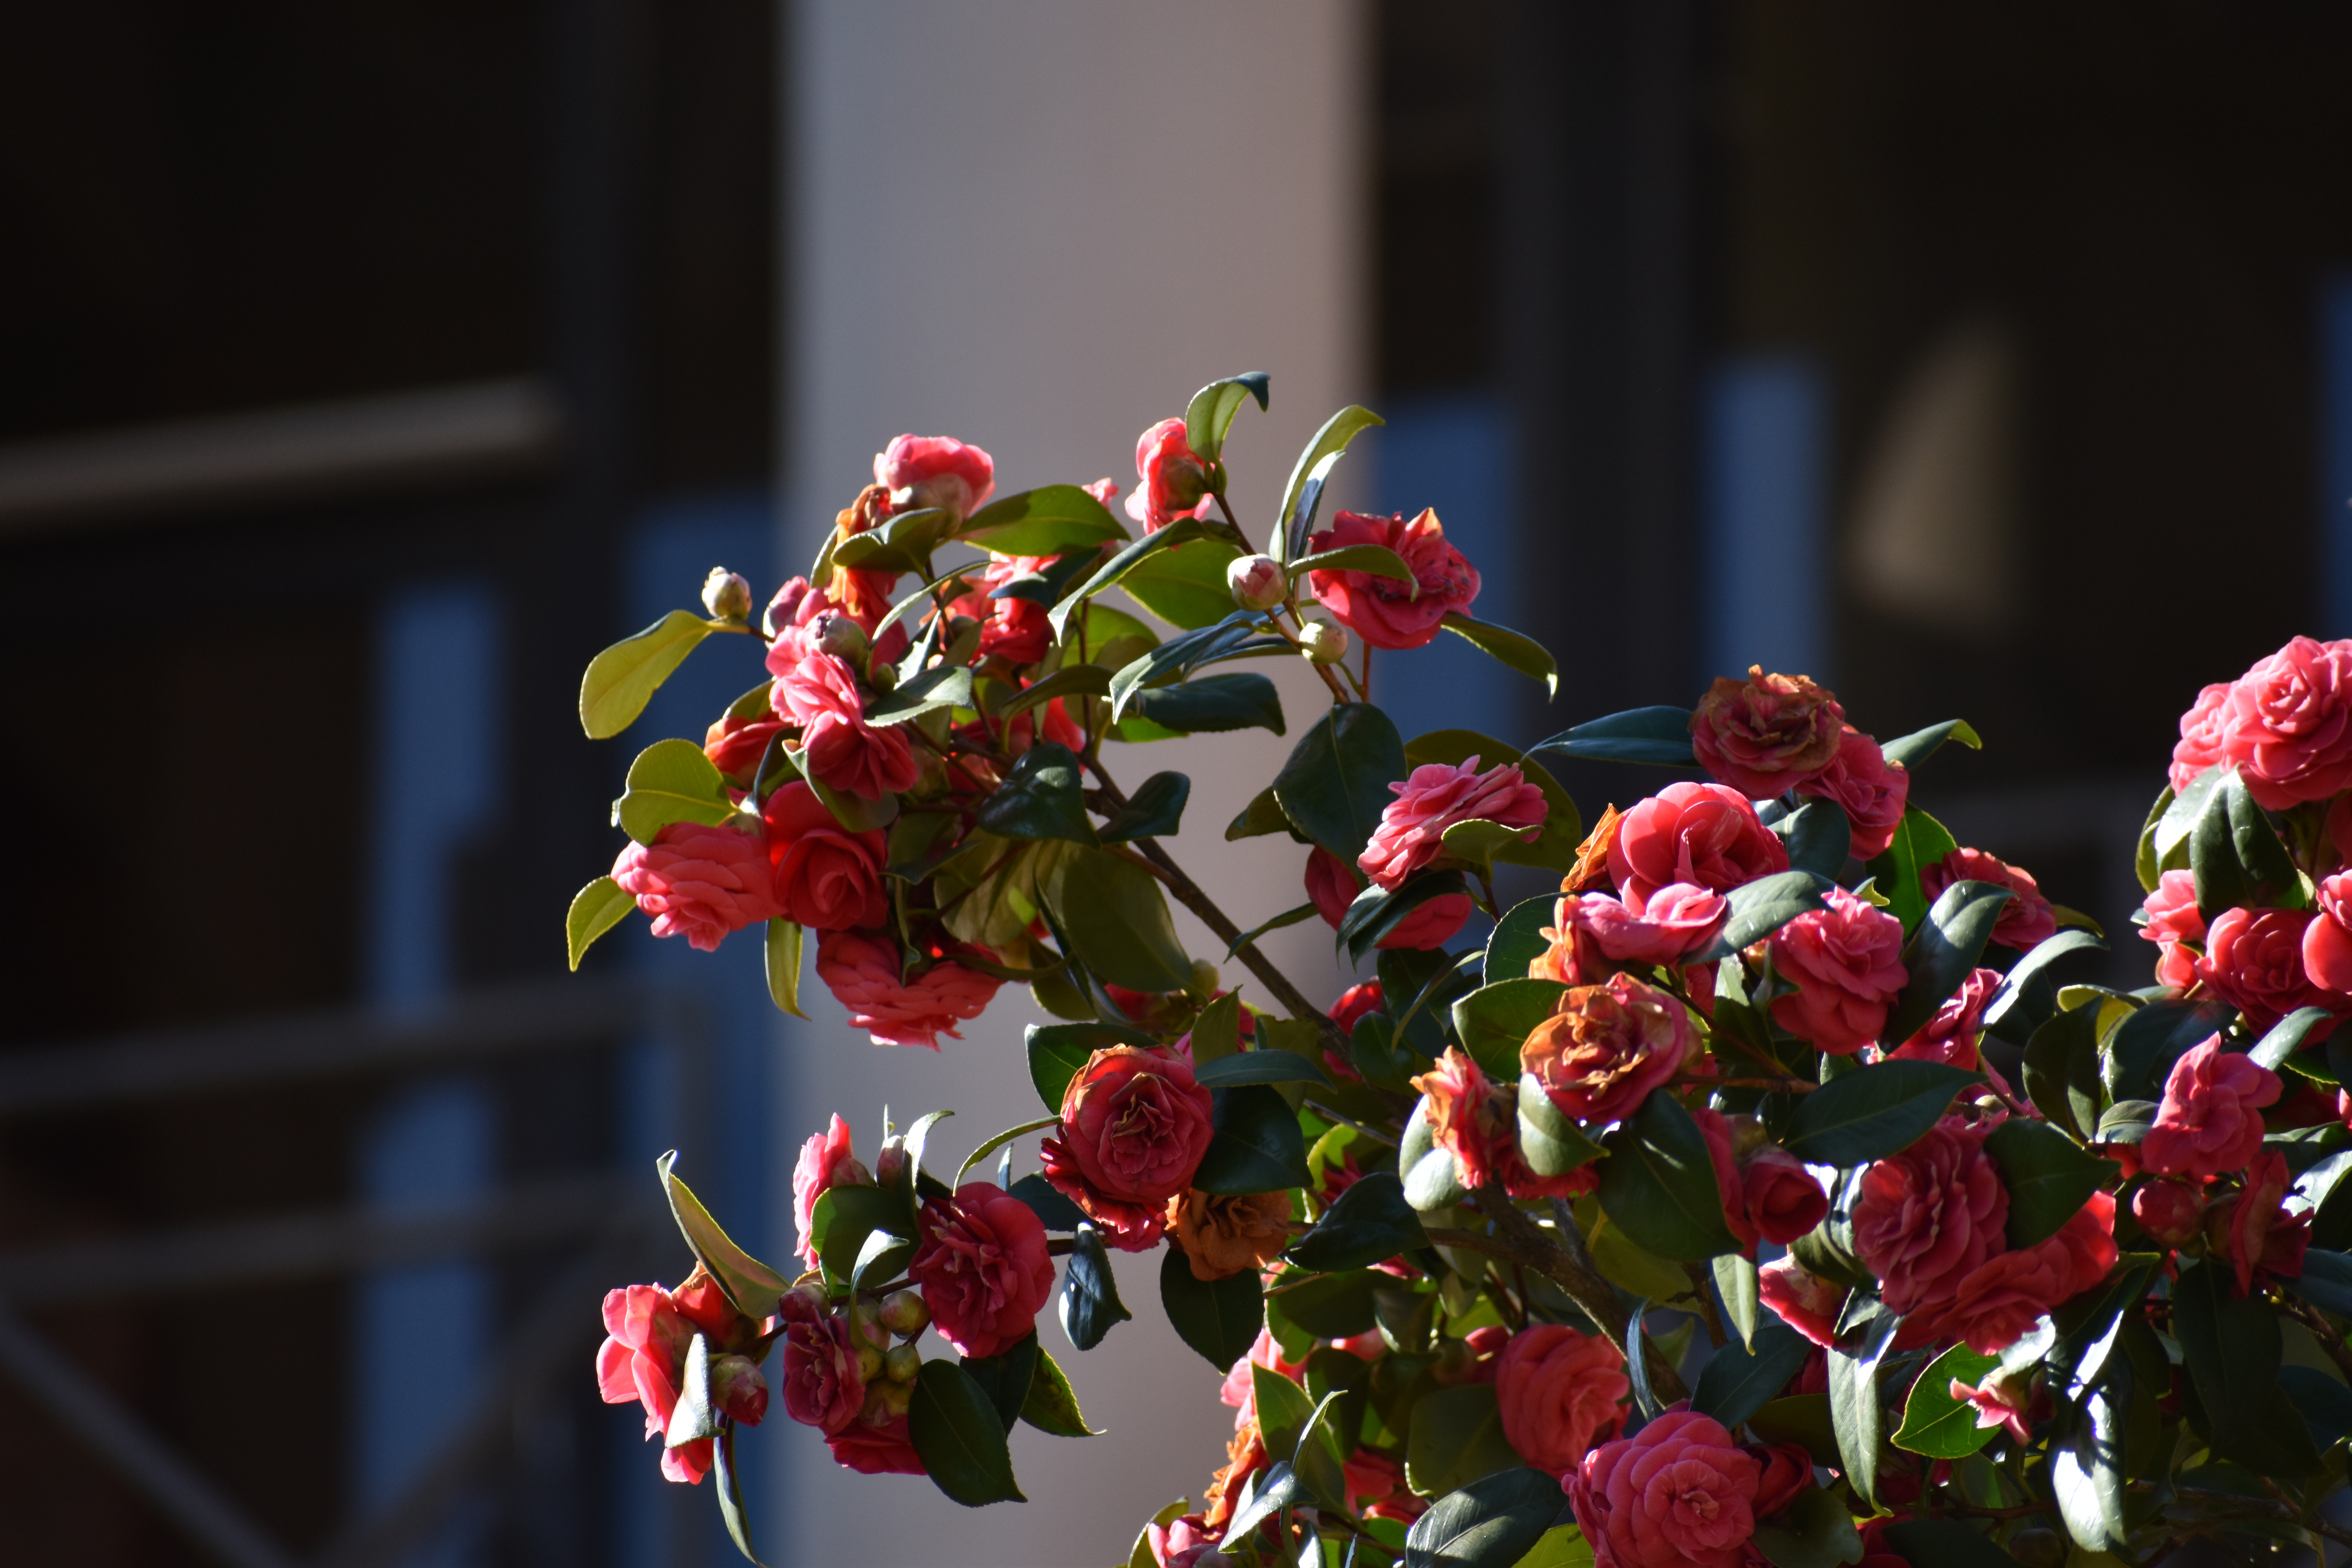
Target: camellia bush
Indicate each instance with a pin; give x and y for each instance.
(1757, 1196)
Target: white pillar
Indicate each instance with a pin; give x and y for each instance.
(1038, 226)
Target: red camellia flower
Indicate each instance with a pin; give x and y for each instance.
(1175, 483)
(1559, 1393)
(736, 745)
(1783, 1470)
(1356, 1002)
(1782, 1198)
(826, 1162)
(1433, 799)
(2253, 961)
(2286, 724)
(1703, 833)
(1846, 961)
(2200, 737)
(1679, 1493)
(1673, 922)
(1461, 1116)
(1951, 1034)
(935, 470)
(982, 1268)
(1606, 1047)
(827, 877)
(1382, 611)
(1872, 790)
(650, 1331)
(2002, 1298)
(2253, 1231)
(1924, 1217)
(839, 746)
(1331, 887)
(2327, 941)
(2210, 1120)
(2172, 919)
(2025, 919)
(1715, 1128)
(1134, 1127)
(862, 972)
(699, 882)
(2168, 1211)
(1806, 1302)
(1014, 629)
(1766, 733)
(884, 1448)
(822, 1388)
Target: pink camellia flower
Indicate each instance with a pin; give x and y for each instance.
(1703, 833)
(2199, 746)
(982, 1268)
(1383, 611)
(1673, 922)
(1679, 1493)
(1951, 1034)
(1240, 1388)
(1433, 799)
(1174, 481)
(822, 1388)
(839, 746)
(826, 1162)
(783, 610)
(1134, 1127)
(1783, 1199)
(2253, 1230)
(935, 470)
(2327, 941)
(1331, 886)
(1924, 1217)
(1767, 733)
(2172, 919)
(827, 877)
(1806, 1302)
(2286, 724)
(1605, 1048)
(1104, 489)
(2211, 1121)
(1846, 961)
(735, 745)
(884, 1448)
(2025, 919)
(1873, 791)
(2253, 961)
(1783, 1470)
(2003, 1297)
(1186, 1544)
(1462, 1118)
(2168, 1211)
(1559, 1393)
(649, 1331)
(2003, 1399)
(699, 882)
(862, 972)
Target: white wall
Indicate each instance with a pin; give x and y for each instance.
(1039, 224)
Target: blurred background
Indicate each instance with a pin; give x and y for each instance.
(366, 366)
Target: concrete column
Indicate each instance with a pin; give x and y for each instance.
(1039, 224)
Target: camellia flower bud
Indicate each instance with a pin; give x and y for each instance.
(891, 1163)
(842, 638)
(904, 1312)
(870, 1362)
(1206, 981)
(886, 1401)
(902, 1364)
(2168, 1211)
(1257, 582)
(738, 1388)
(726, 594)
(1324, 643)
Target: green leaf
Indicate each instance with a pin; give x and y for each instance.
(1561, 1546)
(1377, 911)
(1006, 1377)
(1945, 1543)
(1232, 1070)
(1941, 954)
(1056, 1052)
(1369, 1222)
(1051, 1405)
(1554, 848)
(1936, 1424)
(1377, 559)
(2286, 1036)
(1239, 633)
(1429, 1179)
(1283, 1409)
(2325, 1281)
(1070, 681)
(1276, 1493)
(1304, 493)
(1476, 842)
(1320, 1458)
(1213, 704)
(853, 812)
(1801, 1418)
(1042, 797)
(750, 1284)
(1286, 918)
(1658, 1183)
(1262, 815)
(1156, 809)
(2233, 1351)
(2141, 1054)
(1218, 1318)
(1043, 522)
(1495, 1521)
(955, 1430)
(1494, 1021)
(1257, 1147)
(1736, 1383)
(1736, 1283)
(881, 1258)
(1108, 575)
(1657, 736)
(1820, 838)
(671, 781)
(1551, 1144)
(1920, 840)
(1855, 1412)
(2048, 1175)
(1090, 1302)
(2169, 842)
(1336, 1306)
(2061, 1068)
(1513, 651)
(1210, 413)
(2012, 987)
(1917, 747)
(1872, 1111)
(693, 1417)
(784, 964)
(598, 907)
(999, 1140)
(1517, 939)
(1185, 587)
(2086, 1467)
(1457, 1438)
(2325, 1404)
(730, 1486)
(942, 687)
(1817, 1532)
(843, 1217)
(1760, 908)
(622, 679)
(1336, 781)
(1117, 920)
(1054, 1211)
(2236, 855)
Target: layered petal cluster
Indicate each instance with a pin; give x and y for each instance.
(1765, 734)
(1134, 1126)
(1383, 611)
(1433, 799)
(700, 883)
(863, 974)
(1706, 834)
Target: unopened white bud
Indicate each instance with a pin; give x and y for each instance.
(727, 595)
(1324, 643)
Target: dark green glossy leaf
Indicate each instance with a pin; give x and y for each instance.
(1936, 1424)
(1213, 704)
(1945, 1543)
(2048, 1175)
(1156, 809)
(1872, 1111)
(1216, 1035)
(2325, 1404)
(1517, 939)
(1760, 908)
(1185, 587)
(1236, 632)
(1218, 1318)
(1052, 1404)
(1369, 1222)
(622, 679)
(1257, 1147)
(1821, 839)
(1116, 920)
(1335, 784)
(1658, 1185)
(2169, 842)
(955, 1428)
(2325, 1281)
(1090, 1302)
(1494, 1021)
(1283, 1409)
(1943, 951)
(1056, 1051)
(1182, 531)
(1054, 1211)
(728, 1482)
(1304, 493)
(1431, 1179)
(1551, 1144)
(881, 1258)
(1917, 747)
(1856, 1413)
(1736, 1283)
(1377, 559)
(2233, 1349)
(946, 686)
(2236, 855)
(843, 1217)
(1376, 911)
(1047, 521)
(2086, 1467)
(1512, 650)
(1456, 1439)
(1258, 1067)
(999, 1140)
(2062, 1054)
(1277, 1492)
(1737, 1382)
(1657, 736)
(1070, 681)
(1920, 840)
(2286, 1036)
(1005, 1376)
(1814, 1531)
(595, 909)
(2141, 1054)
(1210, 413)
(1337, 1306)
(1042, 797)
(2013, 986)
(693, 1417)
(1637, 1361)
(750, 1284)
(1305, 911)
(1262, 815)
(1493, 1522)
